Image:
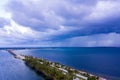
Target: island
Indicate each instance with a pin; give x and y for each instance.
(54, 70)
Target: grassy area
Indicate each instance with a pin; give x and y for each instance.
(55, 71)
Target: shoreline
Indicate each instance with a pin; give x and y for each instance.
(81, 75)
(76, 74)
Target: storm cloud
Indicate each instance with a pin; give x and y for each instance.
(67, 22)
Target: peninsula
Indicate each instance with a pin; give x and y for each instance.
(53, 70)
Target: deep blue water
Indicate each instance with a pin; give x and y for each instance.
(100, 61)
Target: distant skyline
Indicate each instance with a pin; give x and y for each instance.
(60, 23)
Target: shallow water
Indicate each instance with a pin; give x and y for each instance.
(14, 69)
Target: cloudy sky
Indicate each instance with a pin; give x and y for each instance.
(70, 23)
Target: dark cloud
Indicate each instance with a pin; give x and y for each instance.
(43, 15)
(24, 15)
(102, 27)
(50, 15)
(84, 2)
(33, 15)
(98, 40)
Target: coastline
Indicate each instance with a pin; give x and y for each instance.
(80, 75)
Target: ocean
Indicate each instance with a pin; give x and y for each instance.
(101, 61)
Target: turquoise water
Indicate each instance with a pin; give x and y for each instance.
(99, 61)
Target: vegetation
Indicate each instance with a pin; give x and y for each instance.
(92, 78)
(55, 71)
(43, 67)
